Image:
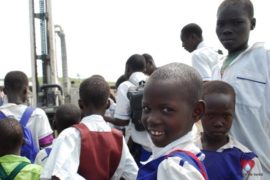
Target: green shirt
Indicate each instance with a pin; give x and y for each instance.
(29, 172)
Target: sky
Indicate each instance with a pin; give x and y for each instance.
(102, 34)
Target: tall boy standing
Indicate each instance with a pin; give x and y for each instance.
(247, 69)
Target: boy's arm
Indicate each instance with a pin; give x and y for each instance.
(40, 128)
(256, 172)
(127, 164)
(116, 121)
(200, 63)
(64, 158)
(171, 168)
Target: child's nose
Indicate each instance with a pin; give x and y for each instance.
(153, 118)
(219, 122)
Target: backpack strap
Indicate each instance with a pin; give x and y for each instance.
(26, 115)
(14, 172)
(3, 173)
(2, 115)
(194, 158)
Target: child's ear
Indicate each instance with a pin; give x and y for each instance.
(23, 141)
(198, 111)
(108, 104)
(80, 103)
(5, 90)
(253, 23)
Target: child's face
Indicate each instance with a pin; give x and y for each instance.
(233, 27)
(219, 112)
(188, 43)
(165, 115)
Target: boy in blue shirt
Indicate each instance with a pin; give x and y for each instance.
(226, 158)
(171, 105)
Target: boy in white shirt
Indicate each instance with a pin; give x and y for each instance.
(91, 149)
(66, 115)
(247, 69)
(16, 89)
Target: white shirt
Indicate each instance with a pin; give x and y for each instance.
(249, 74)
(122, 110)
(169, 168)
(64, 159)
(203, 60)
(257, 169)
(38, 123)
(42, 156)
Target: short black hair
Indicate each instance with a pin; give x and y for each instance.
(11, 135)
(191, 28)
(185, 77)
(217, 87)
(67, 115)
(95, 91)
(121, 79)
(248, 6)
(15, 81)
(136, 62)
(148, 58)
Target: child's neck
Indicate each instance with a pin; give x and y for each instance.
(11, 152)
(15, 99)
(213, 144)
(238, 51)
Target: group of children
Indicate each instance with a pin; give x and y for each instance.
(174, 98)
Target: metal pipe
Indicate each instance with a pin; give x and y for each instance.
(66, 83)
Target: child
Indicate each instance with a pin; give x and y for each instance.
(66, 115)
(171, 105)
(246, 68)
(91, 149)
(140, 145)
(150, 65)
(226, 158)
(16, 89)
(203, 57)
(12, 165)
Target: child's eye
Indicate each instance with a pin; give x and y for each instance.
(167, 110)
(145, 109)
(220, 23)
(237, 22)
(210, 115)
(227, 116)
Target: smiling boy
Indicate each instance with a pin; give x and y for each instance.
(171, 105)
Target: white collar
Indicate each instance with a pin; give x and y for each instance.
(185, 142)
(200, 45)
(136, 77)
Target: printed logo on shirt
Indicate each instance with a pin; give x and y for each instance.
(247, 165)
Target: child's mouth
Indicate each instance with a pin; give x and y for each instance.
(156, 133)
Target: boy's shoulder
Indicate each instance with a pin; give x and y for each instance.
(30, 170)
(233, 143)
(176, 164)
(34, 169)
